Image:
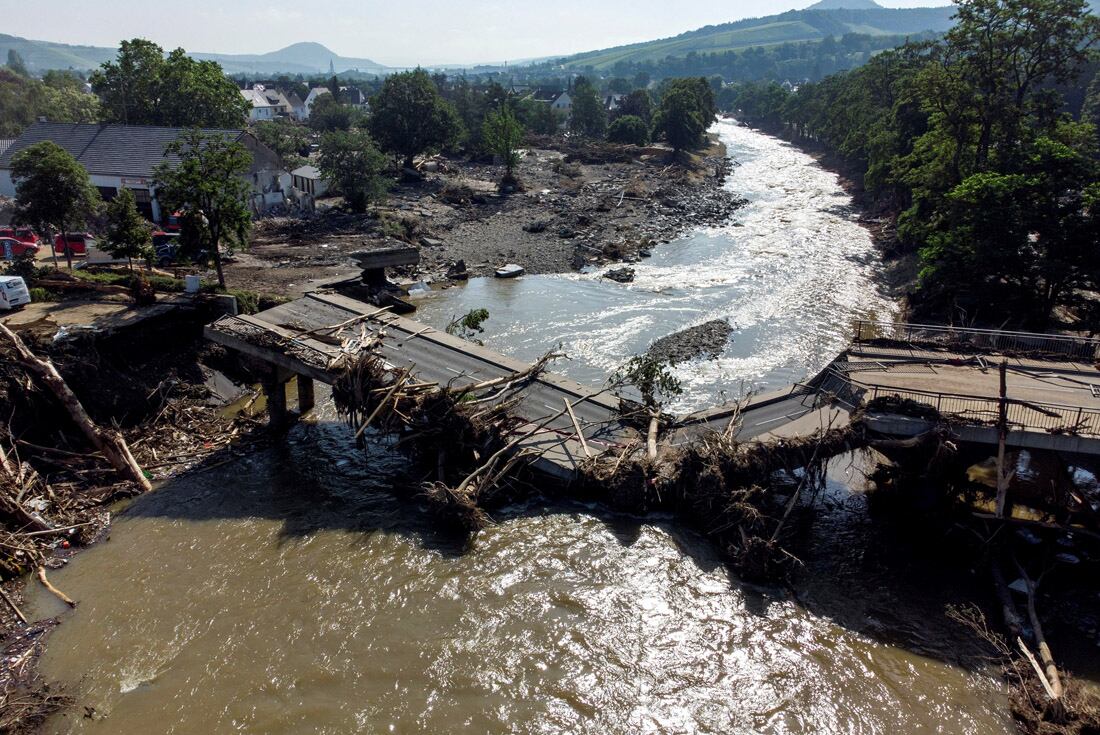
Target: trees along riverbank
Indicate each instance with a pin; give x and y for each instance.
(970, 144)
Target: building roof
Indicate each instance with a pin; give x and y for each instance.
(294, 100)
(109, 150)
(307, 172)
(257, 98)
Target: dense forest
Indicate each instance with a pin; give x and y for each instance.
(983, 145)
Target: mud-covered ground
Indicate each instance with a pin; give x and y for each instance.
(577, 207)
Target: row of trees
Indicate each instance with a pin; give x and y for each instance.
(58, 95)
(679, 113)
(970, 141)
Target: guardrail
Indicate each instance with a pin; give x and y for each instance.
(961, 339)
(1022, 415)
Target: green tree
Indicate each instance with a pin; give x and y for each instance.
(287, 138)
(209, 183)
(128, 234)
(16, 63)
(629, 129)
(52, 192)
(327, 114)
(409, 117)
(639, 104)
(589, 117)
(352, 163)
(538, 117)
(680, 121)
(503, 134)
(142, 87)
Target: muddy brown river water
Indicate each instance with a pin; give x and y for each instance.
(292, 592)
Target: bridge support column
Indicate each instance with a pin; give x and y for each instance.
(306, 398)
(275, 391)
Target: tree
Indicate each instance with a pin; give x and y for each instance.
(142, 87)
(128, 233)
(352, 163)
(52, 191)
(680, 121)
(639, 104)
(629, 129)
(209, 183)
(538, 117)
(16, 63)
(503, 134)
(408, 116)
(327, 114)
(287, 138)
(589, 118)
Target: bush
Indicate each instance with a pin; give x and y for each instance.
(41, 294)
(25, 267)
(629, 129)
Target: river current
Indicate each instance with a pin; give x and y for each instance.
(291, 591)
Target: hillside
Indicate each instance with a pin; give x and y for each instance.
(794, 26)
(299, 58)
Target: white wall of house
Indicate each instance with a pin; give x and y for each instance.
(7, 187)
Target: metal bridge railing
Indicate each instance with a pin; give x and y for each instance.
(978, 340)
(1022, 415)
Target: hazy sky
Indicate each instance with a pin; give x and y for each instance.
(393, 33)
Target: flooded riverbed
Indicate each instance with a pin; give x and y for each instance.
(291, 591)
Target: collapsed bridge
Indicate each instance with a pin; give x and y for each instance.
(1051, 395)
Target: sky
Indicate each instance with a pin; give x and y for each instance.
(404, 33)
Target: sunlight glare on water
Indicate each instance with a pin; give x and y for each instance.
(791, 272)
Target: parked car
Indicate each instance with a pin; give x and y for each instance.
(11, 248)
(78, 243)
(166, 249)
(13, 293)
(22, 234)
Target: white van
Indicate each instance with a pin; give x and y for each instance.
(13, 293)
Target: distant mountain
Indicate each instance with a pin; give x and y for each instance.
(300, 58)
(844, 5)
(794, 26)
(304, 58)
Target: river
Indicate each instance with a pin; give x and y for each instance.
(290, 591)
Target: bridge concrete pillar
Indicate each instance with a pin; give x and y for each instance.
(306, 398)
(275, 391)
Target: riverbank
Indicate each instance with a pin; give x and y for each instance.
(164, 388)
(580, 205)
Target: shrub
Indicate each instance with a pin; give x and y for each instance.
(629, 129)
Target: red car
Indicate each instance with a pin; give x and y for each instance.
(10, 248)
(78, 243)
(22, 234)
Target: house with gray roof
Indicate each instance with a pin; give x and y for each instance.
(125, 157)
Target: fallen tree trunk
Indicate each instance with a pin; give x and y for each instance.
(108, 441)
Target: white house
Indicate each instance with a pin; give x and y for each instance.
(125, 157)
(262, 108)
(564, 102)
(297, 107)
(312, 97)
(308, 179)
